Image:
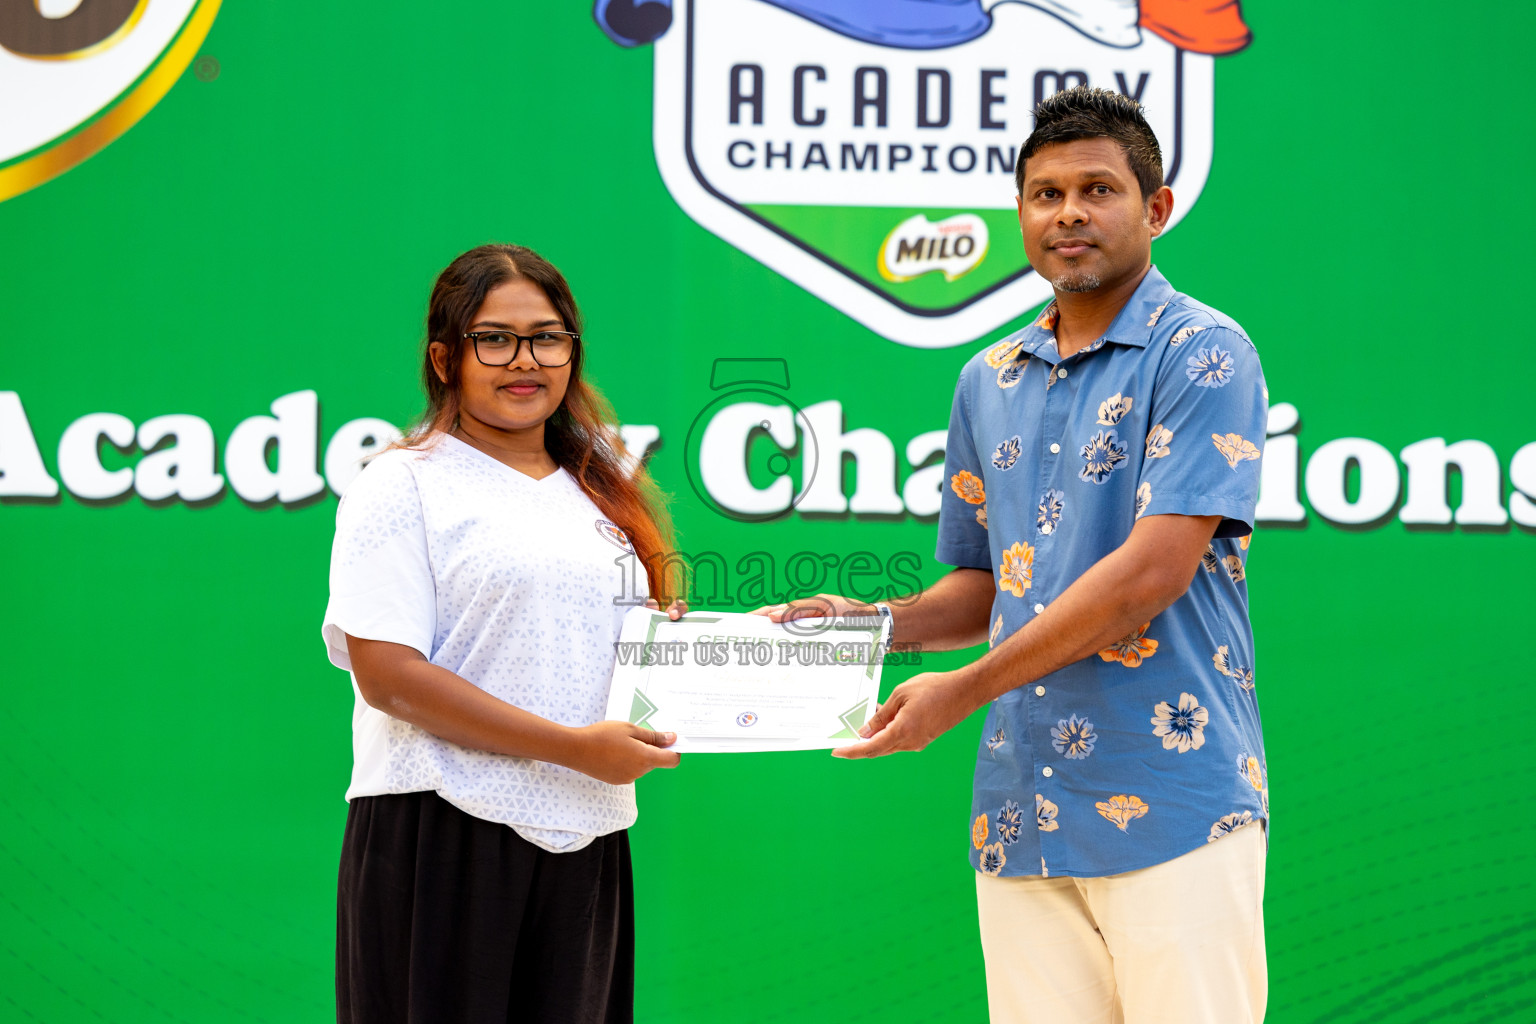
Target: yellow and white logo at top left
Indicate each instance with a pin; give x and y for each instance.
(76, 74)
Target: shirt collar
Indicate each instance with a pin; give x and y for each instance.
(1132, 325)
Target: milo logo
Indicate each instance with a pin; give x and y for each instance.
(953, 246)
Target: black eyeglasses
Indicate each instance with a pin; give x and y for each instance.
(500, 348)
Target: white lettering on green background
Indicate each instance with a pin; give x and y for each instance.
(179, 460)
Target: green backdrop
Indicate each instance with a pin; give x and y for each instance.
(176, 746)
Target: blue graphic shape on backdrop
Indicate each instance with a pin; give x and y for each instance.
(633, 22)
(900, 24)
(904, 24)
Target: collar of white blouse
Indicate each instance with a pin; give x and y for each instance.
(473, 452)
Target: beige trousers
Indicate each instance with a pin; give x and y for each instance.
(1178, 943)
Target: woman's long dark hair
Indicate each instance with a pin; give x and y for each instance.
(578, 435)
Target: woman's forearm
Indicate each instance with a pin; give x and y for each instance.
(398, 681)
(401, 683)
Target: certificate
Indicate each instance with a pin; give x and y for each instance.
(733, 682)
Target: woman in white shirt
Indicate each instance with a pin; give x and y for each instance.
(477, 584)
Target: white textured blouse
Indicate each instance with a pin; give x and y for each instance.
(511, 583)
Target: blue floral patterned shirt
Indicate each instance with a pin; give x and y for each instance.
(1152, 747)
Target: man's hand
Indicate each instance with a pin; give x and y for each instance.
(951, 614)
(820, 606)
(919, 711)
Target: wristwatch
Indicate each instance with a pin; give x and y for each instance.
(887, 623)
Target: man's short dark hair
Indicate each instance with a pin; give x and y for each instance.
(1084, 113)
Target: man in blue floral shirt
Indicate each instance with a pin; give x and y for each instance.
(1103, 469)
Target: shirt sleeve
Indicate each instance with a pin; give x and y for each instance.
(381, 577)
(962, 506)
(1208, 416)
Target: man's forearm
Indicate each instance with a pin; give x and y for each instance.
(950, 615)
(1121, 592)
(1118, 595)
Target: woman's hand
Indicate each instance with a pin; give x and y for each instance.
(676, 610)
(619, 752)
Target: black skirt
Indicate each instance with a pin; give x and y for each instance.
(445, 917)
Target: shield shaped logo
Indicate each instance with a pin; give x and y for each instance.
(866, 150)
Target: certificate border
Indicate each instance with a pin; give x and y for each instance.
(641, 708)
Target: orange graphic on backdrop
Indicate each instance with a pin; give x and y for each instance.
(1199, 26)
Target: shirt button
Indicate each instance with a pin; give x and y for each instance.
(1039, 691)
(1055, 449)
(1039, 608)
(1061, 371)
(1046, 771)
